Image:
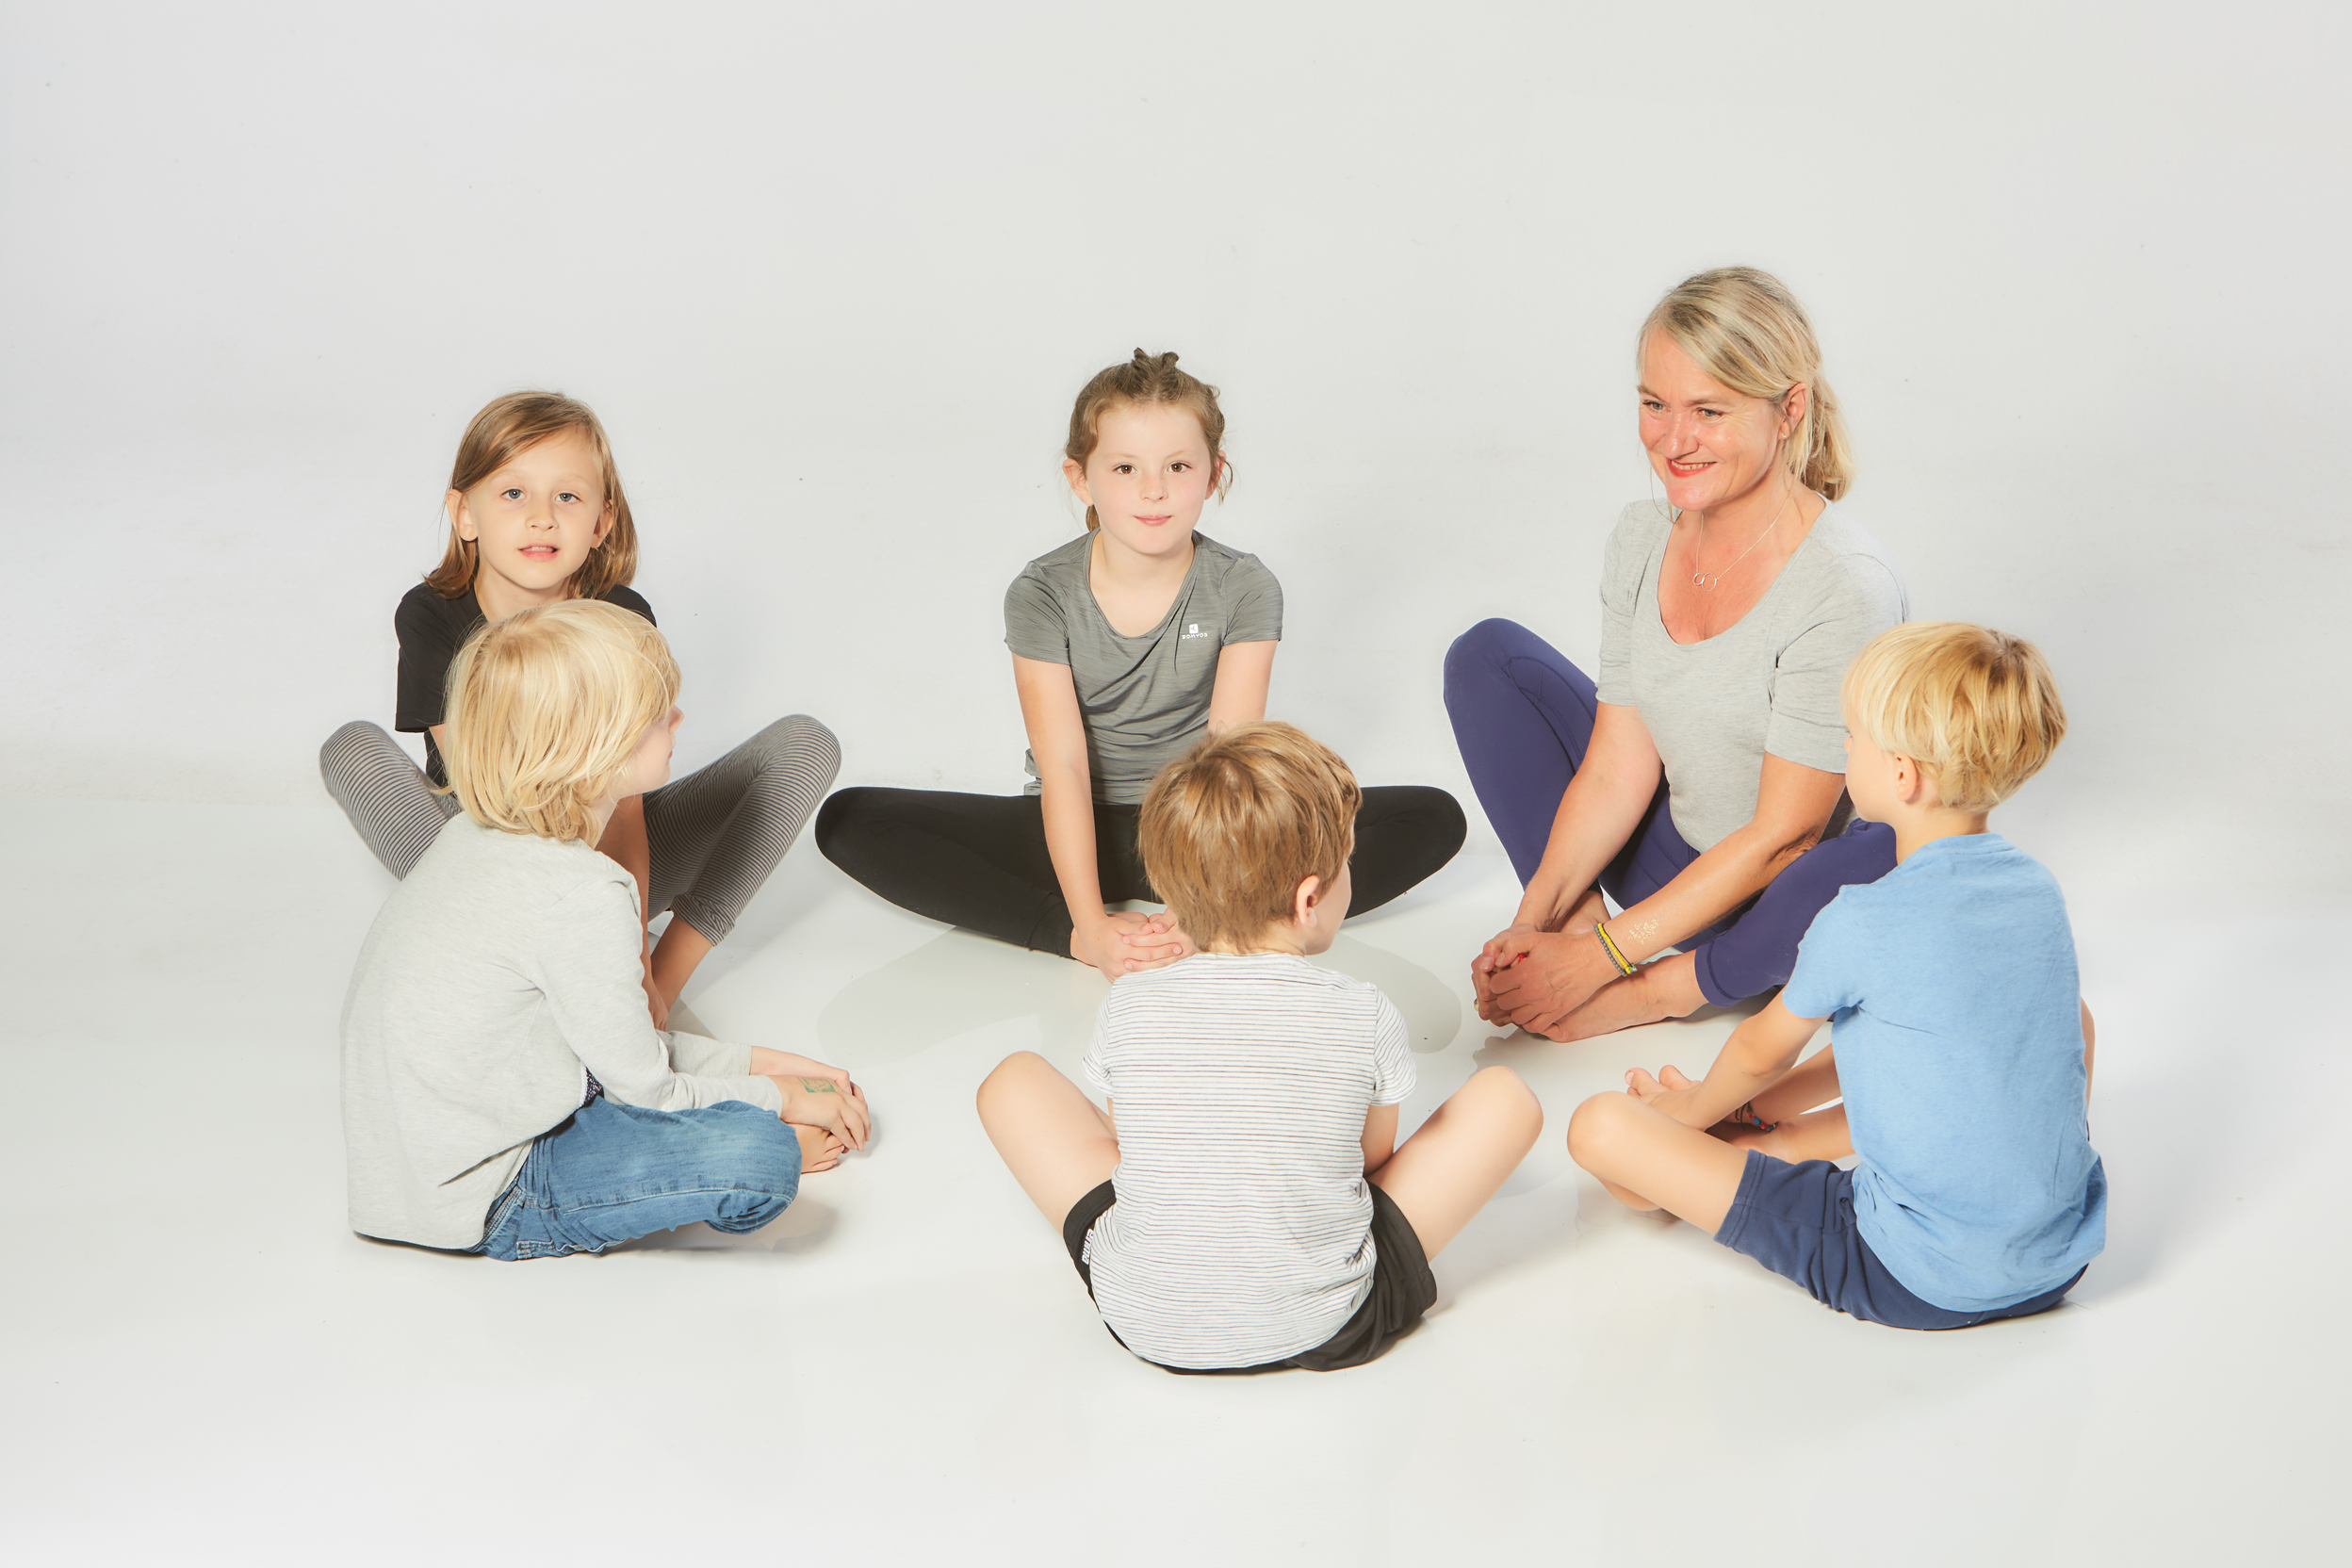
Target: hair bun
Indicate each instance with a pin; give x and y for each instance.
(1154, 362)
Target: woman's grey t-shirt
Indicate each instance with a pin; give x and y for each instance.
(1145, 699)
(1767, 684)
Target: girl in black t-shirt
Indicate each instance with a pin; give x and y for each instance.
(536, 514)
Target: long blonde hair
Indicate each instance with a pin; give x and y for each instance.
(1743, 327)
(1146, 378)
(515, 423)
(546, 707)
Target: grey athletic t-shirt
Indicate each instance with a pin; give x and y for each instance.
(1145, 699)
(1769, 683)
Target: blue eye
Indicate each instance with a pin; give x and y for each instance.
(566, 496)
(510, 494)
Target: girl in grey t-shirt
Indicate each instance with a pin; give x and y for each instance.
(1130, 644)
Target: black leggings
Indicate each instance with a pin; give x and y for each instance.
(980, 861)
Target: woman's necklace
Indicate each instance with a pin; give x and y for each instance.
(1706, 581)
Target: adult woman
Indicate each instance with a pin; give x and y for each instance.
(1700, 781)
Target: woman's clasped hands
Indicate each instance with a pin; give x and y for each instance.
(1535, 978)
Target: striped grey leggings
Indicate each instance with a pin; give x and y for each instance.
(715, 834)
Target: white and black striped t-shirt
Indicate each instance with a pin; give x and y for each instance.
(1242, 1233)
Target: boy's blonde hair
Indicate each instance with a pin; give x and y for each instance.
(1230, 829)
(1976, 709)
(544, 709)
(511, 425)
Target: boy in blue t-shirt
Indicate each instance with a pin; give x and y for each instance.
(1962, 1046)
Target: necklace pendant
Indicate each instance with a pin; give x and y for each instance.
(1699, 580)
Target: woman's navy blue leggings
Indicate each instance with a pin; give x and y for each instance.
(1523, 717)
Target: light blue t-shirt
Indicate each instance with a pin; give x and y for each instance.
(1955, 1006)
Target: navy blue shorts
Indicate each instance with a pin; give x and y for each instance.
(1797, 1221)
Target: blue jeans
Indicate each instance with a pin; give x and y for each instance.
(1523, 716)
(614, 1172)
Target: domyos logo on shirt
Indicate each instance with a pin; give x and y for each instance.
(1192, 629)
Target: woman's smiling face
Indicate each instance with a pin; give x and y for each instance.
(1708, 443)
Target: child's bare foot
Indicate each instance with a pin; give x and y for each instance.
(1738, 1129)
(819, 1150)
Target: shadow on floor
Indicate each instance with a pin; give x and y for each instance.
(953, 985)
(1432, 1012)
(957, 983)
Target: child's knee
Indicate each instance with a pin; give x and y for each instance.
(346, 747)
(1594, 1125)
(840, 815)
(802, 744)
(1008, 1075)
(1512, 1100)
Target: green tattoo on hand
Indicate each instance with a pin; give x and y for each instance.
(820, 1085)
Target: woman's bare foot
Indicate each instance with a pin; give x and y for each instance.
(819, 1150)
(1667, 989)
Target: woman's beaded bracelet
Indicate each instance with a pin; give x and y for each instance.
(1625, 967)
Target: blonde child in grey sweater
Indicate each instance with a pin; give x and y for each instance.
(504, 1090)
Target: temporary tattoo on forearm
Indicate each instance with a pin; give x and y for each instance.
(820, 1085)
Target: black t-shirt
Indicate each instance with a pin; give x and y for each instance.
(431, 629)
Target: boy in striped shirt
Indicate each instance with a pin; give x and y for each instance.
(1240, 1202)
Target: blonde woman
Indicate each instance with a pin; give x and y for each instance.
(1700, 779)
(503, 1089)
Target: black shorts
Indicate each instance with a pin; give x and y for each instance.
(1402, 1288)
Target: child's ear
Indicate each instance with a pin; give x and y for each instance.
(1911, 785)
(1075, 472)
(605, 520)
(1305, 903)
(460, 520)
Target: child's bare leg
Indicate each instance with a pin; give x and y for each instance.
(1058, 1145)
(1811, 1083)
(1463, 1155)
(1667, 989)
(675, 956)
(1649, 1160)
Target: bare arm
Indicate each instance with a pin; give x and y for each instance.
(1759, 1052)
(1057, 739)
(1379, 1136)
(2090, 1047)
(1794, 807)
(1244, 671)
(1535, 972)
(1598, 812)
(623, 841)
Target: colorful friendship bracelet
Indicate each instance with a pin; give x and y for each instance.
(1624, 966)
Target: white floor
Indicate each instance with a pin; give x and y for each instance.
(204, 1363)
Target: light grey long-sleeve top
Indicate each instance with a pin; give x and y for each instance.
(1767, 684)
(497, 975)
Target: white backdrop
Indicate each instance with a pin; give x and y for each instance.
(832, 274)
